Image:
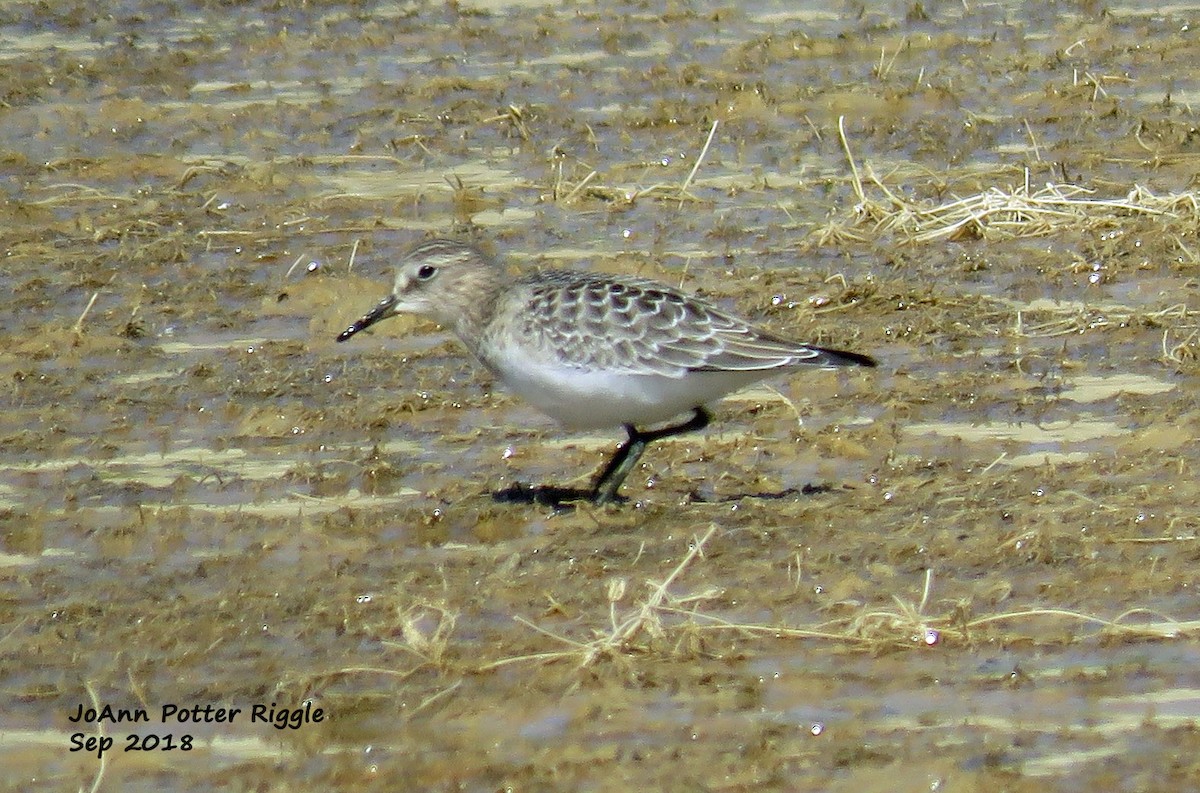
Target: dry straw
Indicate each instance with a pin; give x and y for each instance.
(663, 618)
(1022, 211)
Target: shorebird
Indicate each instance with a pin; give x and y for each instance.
(594, 350)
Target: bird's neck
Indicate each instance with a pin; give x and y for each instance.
(475, 310)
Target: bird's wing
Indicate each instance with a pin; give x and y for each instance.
(633, 326)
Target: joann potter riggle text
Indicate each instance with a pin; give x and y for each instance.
(280, 718)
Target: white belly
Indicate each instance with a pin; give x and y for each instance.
(585, 399)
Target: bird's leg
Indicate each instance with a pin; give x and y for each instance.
(630, 451)
(618, 467)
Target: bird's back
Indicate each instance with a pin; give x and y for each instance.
(630, 325)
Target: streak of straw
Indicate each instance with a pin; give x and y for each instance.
(584, 182)
(856, 180)
(398, 676)
(99, 778)
(78, 327)
(630, 195)
(683, 188)
(1181, 352)
(295, 264)
(1020, 211)
(432, 698)
(429, 647)
(643, 618)
(1073, 320)
(1037, 150)
(622, 195)
(905, 625)
(12, 632)
(885, 66)
(1153, 540)
(787, 401)
(908, 625)
(74, 193)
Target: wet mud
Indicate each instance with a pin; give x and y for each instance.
(974, 568)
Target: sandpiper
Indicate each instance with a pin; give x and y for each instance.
(594, 350)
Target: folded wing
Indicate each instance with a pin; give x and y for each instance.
(633, 326)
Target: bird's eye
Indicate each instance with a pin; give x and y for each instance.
(426, 271)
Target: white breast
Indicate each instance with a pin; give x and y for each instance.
(595, 399)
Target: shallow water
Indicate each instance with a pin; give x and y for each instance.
(205, 499)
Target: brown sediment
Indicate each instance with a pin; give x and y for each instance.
(204, 499)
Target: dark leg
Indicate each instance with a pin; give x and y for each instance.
(630, 451)
(618, 467)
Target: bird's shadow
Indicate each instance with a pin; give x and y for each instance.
(564, 499)
(774, 495)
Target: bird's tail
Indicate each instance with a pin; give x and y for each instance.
(829, 357)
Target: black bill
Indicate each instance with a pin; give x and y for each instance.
(381, 311)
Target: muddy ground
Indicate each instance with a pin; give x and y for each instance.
(972, 569)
